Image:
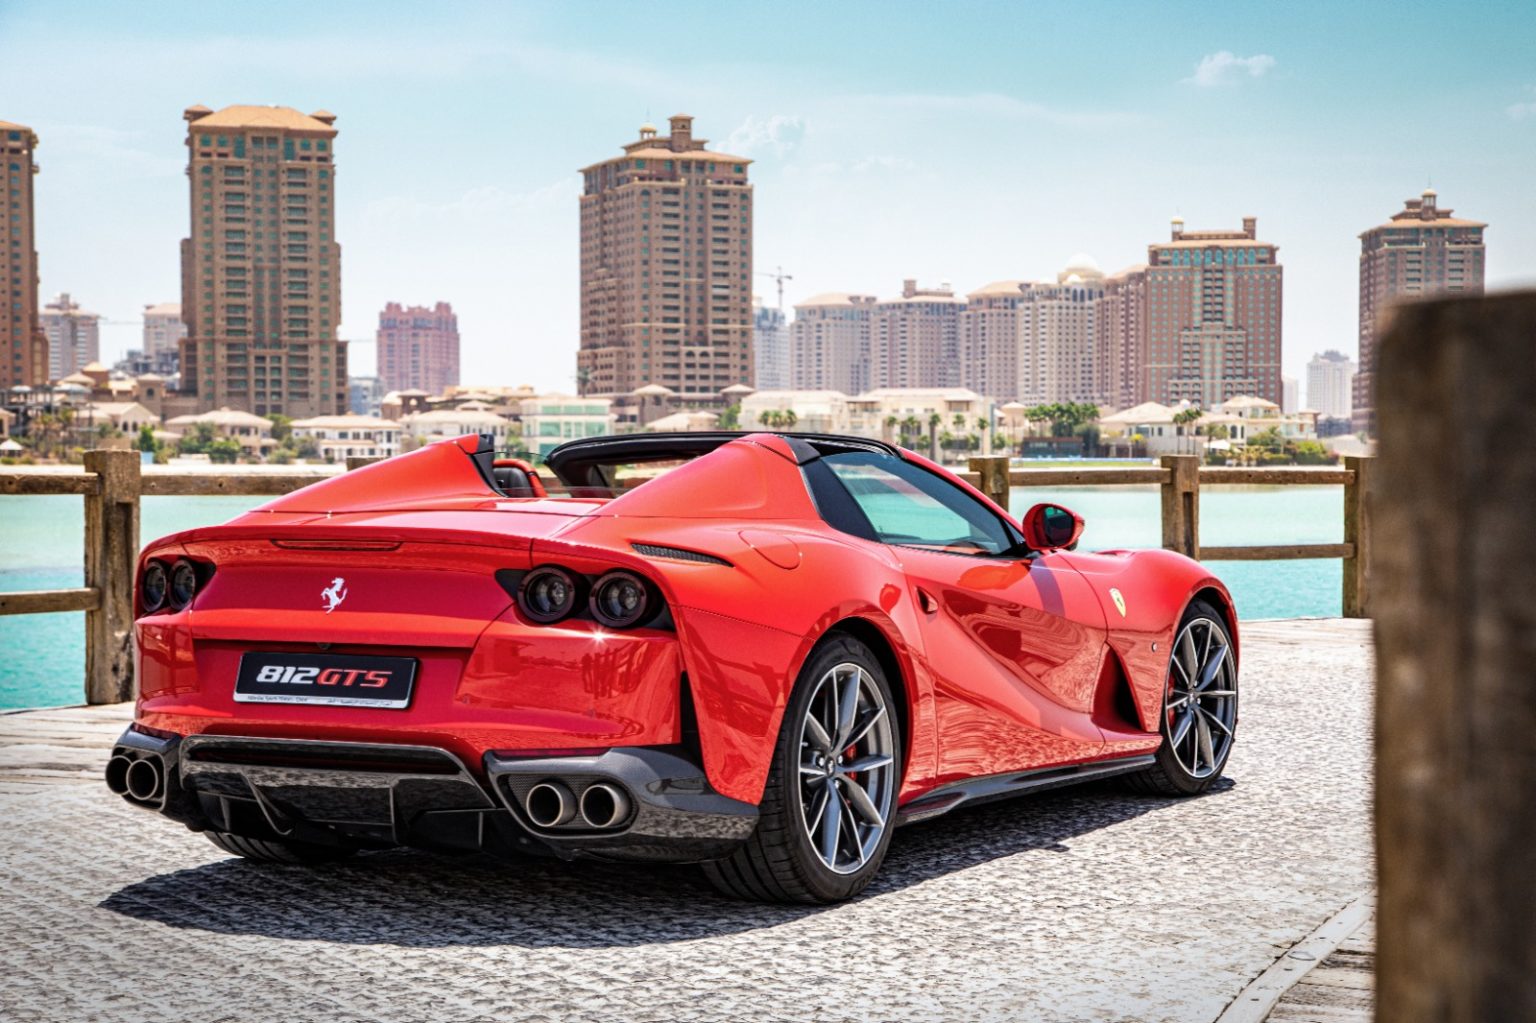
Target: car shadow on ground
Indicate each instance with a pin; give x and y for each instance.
(421, 900)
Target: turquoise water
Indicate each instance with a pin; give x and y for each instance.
(40, 548)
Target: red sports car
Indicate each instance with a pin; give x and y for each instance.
(760, 652)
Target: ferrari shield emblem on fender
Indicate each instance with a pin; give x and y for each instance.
(1114, 595)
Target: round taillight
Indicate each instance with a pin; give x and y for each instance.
(621, 600)
(153, 587)
(183, 584)
(548, 594)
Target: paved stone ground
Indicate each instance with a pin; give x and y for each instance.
(1081, 905)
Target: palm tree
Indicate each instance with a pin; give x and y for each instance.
(1183, 418)
(934, 419)
(789, 419)
(891, 422)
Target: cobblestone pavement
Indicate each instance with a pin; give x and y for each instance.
(1078, 905)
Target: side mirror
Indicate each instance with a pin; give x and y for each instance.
(1050, 527)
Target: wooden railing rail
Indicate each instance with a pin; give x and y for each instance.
(1180, 478)
(113, 485)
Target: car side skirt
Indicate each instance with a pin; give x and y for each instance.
(974, 791)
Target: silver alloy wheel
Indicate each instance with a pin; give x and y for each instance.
(847, 768)
(1200, 712)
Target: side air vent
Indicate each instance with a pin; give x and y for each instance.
(651, 550)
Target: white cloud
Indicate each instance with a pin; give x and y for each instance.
(1527, 108)
(776, 133)
(1226, 67)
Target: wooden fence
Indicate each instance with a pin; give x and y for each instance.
(112, 484)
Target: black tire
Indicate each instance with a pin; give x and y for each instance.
(264, 850)
(1171, 775)
(778, 863)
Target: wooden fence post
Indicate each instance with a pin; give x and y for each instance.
(1454, 597)
(1357, 531)
(1181, 504)
(111, 555)
(993, 470)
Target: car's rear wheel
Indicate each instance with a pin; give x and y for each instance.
(270, 851)
(1199, 720)
(830, 800)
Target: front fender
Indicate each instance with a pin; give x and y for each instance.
(1154, 586)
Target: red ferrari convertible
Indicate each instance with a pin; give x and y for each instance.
(760, 652)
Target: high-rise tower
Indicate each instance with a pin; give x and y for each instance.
(666, 268)
(1422, 250)
(23, 350)
(261, 269)
(1212, 316)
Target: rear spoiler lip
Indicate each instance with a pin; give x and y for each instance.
(339, 533)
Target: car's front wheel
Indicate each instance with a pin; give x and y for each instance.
(1199, 708)
(830, 800)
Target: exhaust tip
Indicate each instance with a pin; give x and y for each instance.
(117, 774)
(143, 779)
(604, 806)
(550, 804)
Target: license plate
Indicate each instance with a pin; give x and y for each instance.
(336, 680)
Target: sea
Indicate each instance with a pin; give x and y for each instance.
(43, 662)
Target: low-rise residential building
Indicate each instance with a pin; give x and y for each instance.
(127, 417)
(252, 432)
(338, 438)
(889, 412)
(425, 427)
(552, 419)
(806, 411)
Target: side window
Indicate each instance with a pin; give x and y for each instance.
(907, 505)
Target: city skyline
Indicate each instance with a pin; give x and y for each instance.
(999, 157)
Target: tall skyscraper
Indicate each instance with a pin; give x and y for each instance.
(1059, 336)
(23, 350)
(829, 343)
(261, 270)
(1121, 350)
(914, 340)
(74, 336)
(770, 347)
(1213, 316)
(666, 268)
(418, 347)
(163, 329)
(990, 339)
(1330, 380)
(1423, 250)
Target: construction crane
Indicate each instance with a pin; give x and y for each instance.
(779, 277)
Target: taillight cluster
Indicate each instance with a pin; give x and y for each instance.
(618, 599)
(167, 585)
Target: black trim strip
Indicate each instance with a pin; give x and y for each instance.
(1015, 783)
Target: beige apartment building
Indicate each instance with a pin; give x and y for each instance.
(1213, 316)
(991, 339)
(163, 329)
(23, 349)
(829, 343)
(1121, 341)
(74, 336)
(914, 340)
(666, 269)
(1058, 328)
(261, 269)
(1422, 250)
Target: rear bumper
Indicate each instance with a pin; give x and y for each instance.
(380, 795)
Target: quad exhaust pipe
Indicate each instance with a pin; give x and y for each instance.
(139, 780)
(604, 806)
(551, 804)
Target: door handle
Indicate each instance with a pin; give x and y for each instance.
(926, 602)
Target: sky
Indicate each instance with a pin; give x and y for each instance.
(963, 142)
